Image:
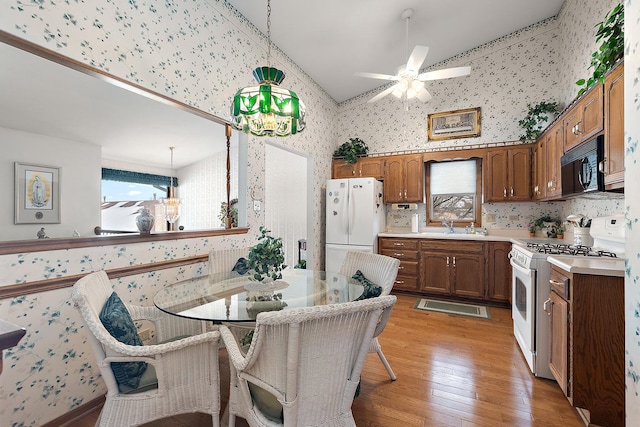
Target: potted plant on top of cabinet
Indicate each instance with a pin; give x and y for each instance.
(611, 32)
(536, 119)
(351, 149)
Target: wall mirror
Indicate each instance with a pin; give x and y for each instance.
(55, 111)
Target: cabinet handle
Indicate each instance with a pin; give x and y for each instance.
(504, 192)
(400, 268)
(447, 261)
(398, 254)
(400, 194)
(398, 244)
(511, 191)
(601, 165)
(360, 172)
(454, 262)
(544, 306)
(400, 282)
(353, 172)
(576, 129)
(536, 190)
(405, 194)
(556, 282)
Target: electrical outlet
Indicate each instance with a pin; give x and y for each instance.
(491, 217)
(514, 217)
(145, 334)
(256, 205)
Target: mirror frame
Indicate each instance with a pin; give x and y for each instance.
(39, 245)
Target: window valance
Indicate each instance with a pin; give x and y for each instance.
(137, 177)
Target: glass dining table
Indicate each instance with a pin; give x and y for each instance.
(231, 297)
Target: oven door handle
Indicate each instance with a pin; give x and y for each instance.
(520, 268)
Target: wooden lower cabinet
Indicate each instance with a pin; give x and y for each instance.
(499, 272)
(453, 267)
(406, 250)
(586, 338)
(465, 269)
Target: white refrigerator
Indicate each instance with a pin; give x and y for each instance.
(355, 215)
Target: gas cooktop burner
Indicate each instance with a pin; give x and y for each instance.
(566, 249)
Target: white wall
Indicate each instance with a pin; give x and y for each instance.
(79, 183)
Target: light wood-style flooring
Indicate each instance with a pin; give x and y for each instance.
(452, 371)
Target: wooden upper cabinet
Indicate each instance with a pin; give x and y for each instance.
(584, 119)
(614, 129)
(508, 174)
(554, 150)
(365, 167)
(404, 179)
(540, 169)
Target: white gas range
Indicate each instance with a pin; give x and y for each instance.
(530, 282)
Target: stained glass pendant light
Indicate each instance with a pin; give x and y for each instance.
(171, 204)
(268, 109)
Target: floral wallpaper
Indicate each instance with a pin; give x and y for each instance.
(632, 206)
(199, 52)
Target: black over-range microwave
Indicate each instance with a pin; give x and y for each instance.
(580, 171)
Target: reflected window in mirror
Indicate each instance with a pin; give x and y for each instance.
(454, 190)
(125, 194)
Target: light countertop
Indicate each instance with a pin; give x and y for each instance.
(496, 235)
(589, 265)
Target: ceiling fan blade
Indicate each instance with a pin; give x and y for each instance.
(377, 76)
(417, 57)
(447, 73)
(423, 95)
(383, 93)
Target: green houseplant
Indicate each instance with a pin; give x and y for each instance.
(266, 258)
(351, 149)
(535, 120)
(611, 33)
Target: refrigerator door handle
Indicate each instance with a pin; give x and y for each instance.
(351, 210)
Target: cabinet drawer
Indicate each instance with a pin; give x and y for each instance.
(451, 246)
(401, 254)
(406, 282)
(408, 268)
(411, 244)
(559, 281)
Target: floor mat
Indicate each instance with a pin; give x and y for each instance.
(471, 310)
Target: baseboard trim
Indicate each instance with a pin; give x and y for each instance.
(70, 417)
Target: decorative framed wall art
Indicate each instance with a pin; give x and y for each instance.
(37, 194)
(454, 124)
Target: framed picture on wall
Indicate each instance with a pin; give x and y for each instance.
(37, 194)
(454, 124)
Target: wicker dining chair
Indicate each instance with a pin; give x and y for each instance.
(303, 365)
(381, 270)
(181, 375)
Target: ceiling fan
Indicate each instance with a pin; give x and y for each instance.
(410, 84)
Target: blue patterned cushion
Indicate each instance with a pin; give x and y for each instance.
(241, 266)
(371, 290)
(116, 319)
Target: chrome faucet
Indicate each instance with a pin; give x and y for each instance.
(450, 226)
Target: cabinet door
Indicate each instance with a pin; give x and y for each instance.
(370, 167)
(435, 272)
(614, 129)
(393, 185)
(584, 120)
(468, 275)
(414, 178)
(559, 341)
(540, 170)
(342, 169)
(519, 171)
(499, 275)
(496, 176)
(554, 150)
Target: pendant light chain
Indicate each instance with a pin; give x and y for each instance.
(268, 33)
